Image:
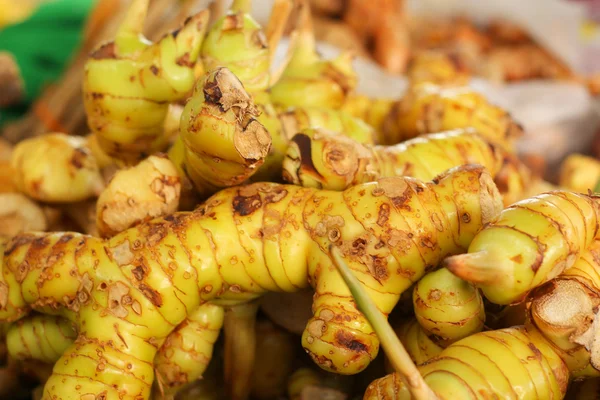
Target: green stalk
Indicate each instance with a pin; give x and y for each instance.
(392, 346)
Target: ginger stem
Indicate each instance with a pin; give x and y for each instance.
(305, 41)
(240, 346)
(482, 267)
(394, 349)
(129, 37)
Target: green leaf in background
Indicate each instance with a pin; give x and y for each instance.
(43, 45)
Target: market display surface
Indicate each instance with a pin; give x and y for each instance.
(137, 258)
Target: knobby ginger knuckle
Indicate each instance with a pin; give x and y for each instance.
(428, 108)
(565, 312)
(448, 307)
(150, 189)
(127, 90)
(530, 243)
(224, 142)
(40, 337)
(126, 294)
(322, 159)
(56, 168)
(238, 42)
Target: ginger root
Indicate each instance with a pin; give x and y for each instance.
(530, 243)
(130, 82)
(56, 168)
(126, 294)
(149, 190)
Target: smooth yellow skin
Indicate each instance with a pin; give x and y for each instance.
(512, 363)
(579, 173)
(128, 293)
(530, 243)
(310, 82)
(237, 41)
(40, 337)
(102, 159)
(56, 168)
(373, 111)
(447, 306)
(328, 160)
(148, 190)
(428, 108)
(224, 142)
(565, 308)
(419, 346)
(186, 353)
(126, 96)
(297, 119)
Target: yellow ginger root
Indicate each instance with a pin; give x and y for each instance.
(128, 293)
(323, 159)
(579, 173)
(507, 363)
(56, 168)
(297, 119)
(448, 307)
(40, 337)
(186, 353)
(428, 108)
(276, 354)
(19, 214)
(148, 190)
(565, 311)
(372, 111)
(270, 118)
(224, 143)
(308, 80)
(530, 243)
(417, 343)
(183, 358)
(130, 82)
(238, 42)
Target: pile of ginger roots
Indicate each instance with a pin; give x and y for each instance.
(209, 192)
